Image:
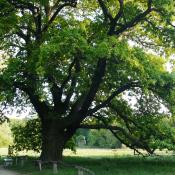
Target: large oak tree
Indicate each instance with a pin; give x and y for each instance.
(78, 63)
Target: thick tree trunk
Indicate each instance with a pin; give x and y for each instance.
(53, 141)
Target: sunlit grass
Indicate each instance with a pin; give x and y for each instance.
(80, 152)
(85, 152)
(98, 152)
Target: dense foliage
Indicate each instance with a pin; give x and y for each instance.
(102, 139)
(78, 63)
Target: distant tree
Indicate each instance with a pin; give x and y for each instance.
(74, 60)
(102, 139)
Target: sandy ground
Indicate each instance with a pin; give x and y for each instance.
(7, 172)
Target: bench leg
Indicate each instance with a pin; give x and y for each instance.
(80, 172)
(16, 160)
(40, 166)
(22, 162)
(55, 168)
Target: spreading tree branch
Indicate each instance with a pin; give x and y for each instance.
(138, 18)
(112, 96)
(101, 126)
(70, 93)
(135, 143)
(96, 82)
(124, 117)
(21, 34)
(113, 22)
(105, 10)
(120, 12)
(56, 96)
(80, 107)
(58, 8)
(40, 106)
(57, 91)
(67, 79)
(19, 4)
(36, 13)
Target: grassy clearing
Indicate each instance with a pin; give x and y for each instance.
(107, 162)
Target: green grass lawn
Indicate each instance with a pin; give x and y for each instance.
(107, 162)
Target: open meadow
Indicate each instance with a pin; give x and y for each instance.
(104, 162)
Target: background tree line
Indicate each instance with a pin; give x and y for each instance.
(24, 135)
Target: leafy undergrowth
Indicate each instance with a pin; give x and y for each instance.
(123, 165)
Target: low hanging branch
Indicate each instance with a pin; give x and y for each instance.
(117, 131)
(101, 126)
(114, 130)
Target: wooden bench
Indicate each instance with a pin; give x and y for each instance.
(81, 170)
(84, 171)
(20, 159)
(8, 161)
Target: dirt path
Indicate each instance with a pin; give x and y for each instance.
(7, 172)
